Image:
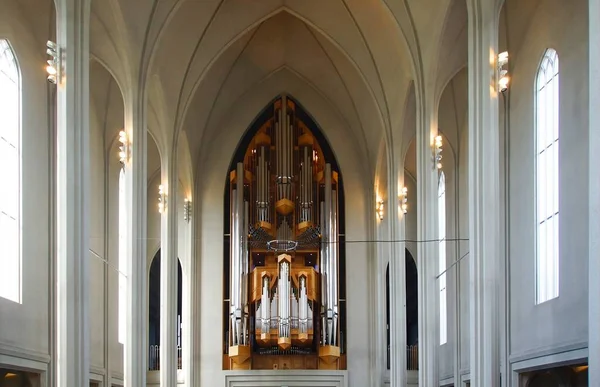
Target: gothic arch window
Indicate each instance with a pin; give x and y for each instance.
(442, 257)
(547, 172)
(122, 258)
(10, 174)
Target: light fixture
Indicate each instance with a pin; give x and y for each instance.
(187, 209)
(503, 78)
(404, 200)
(437, 155)
(53, 64)
(162, 199)
(124, 147)
(379, 209)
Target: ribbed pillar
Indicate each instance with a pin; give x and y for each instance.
(189, 301)
(594, 213)
(168, 277)
(427, 252)
(73, 194)
(136, 348)
(397, 279)
(484, 195)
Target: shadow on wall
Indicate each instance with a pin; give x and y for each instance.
(12, 378)
(571, 376)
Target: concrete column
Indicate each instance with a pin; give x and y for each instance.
(484, 194)
(73, 194)
(594, 213)
(136, 348)
(427, 255)
(193, 322)
(397, 275)
(378, 287)
(168, 276)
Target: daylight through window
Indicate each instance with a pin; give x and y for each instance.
(10, 174)
(547, 188)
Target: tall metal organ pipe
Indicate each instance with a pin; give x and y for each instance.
(239, 262)
(303, 307)
(330, 269)
(334, 267)
(266, 308)
(323, 269)
(284, 299)
(262, 175)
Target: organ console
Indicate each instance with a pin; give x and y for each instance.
(283, 309)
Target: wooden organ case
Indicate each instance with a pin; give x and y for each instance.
(283, 310)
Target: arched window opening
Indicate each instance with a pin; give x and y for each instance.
(10, 174)
(122, 258)
(547, 172)
(442, 257)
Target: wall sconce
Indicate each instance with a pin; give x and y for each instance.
(53, 63)
(437, 149)
(379, 209)
(124, 147)
(404, 200)
(162, 199)
(503, 78)
(187, 209)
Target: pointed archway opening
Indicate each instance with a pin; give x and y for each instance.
(154, 313)
(284, 295)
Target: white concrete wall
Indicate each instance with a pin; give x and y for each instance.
(559, 324)
(549, 328)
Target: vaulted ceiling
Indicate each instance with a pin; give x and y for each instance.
(200, 59)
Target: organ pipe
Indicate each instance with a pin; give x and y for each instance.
(303, 307)
(239, 262)
(284, 194)
(266, 310)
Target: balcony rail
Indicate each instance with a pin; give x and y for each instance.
(412, 357)
(154, 358)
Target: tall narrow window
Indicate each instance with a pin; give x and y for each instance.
(10, 174)
(547, 251)
(442, 257)
(122, 258)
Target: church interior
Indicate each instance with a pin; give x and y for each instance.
(333, 193)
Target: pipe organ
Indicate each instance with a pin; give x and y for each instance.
(283, 306)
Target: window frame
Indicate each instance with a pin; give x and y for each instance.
(549, 69)
(4, 294)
